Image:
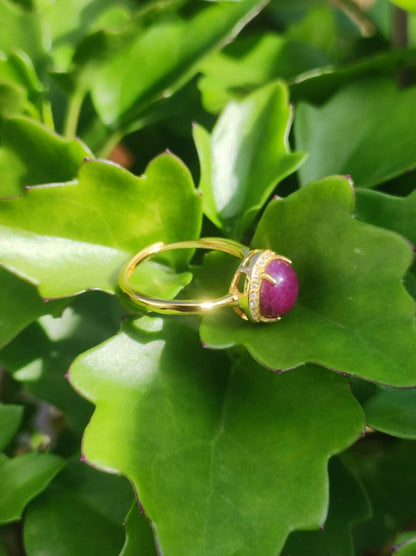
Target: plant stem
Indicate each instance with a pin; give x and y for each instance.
(111, 142)
(47, 114)
(357, 16)
(72, 115)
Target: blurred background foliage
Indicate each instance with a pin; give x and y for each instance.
(126, 80)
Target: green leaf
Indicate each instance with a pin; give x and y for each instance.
(84, 510)
(22, 30)
(353, 313)
(387, 211)
(10, 418)
(203, 442)
(348, 505)
(350, 134)
(12, 99)
(31, 154)
(139, 536)
(394, 213)
(41, 355)
(245, 157)
(18, 68)
(20, 305)
(119, 99)
(85, 230)
(81, 18)
(17, 71)
(405, 543)
(386, 471)
(22, 478)
(319, 85)
(393, 412)
(250, 62)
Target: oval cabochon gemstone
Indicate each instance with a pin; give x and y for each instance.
(277, 299)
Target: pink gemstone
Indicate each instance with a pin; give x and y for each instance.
(277, 299)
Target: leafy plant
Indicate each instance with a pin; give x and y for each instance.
(136, 434)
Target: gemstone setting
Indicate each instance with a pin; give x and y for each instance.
(272, 287)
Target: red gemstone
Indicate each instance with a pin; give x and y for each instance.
(277, 299)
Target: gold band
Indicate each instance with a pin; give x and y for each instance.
(179, 307)
(246, 302)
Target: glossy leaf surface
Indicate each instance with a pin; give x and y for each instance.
(353, 313)
(163, 69)
(193, 434)
(91, 226)
(352, 123)
(79, 499)
(10, 418)
(23, 477)
(245, 157)
(251, 62)
(347, 505)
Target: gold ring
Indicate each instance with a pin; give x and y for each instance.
(263, 288)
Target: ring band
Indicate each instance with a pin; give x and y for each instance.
(263, 288)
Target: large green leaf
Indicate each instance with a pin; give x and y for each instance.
(216, 454)
(348, 505)
(84, 512)
(353, 313)
(251, 62)
(81, 18)
(115, 57)
(20, 29)
(67, 238)
(22, 478)
(245, 157)
(139, 535)
(20, 305)
(393, 412)
(351, 135)
(10, 418)
(31, 154)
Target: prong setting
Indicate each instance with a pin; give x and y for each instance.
(254, 268)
